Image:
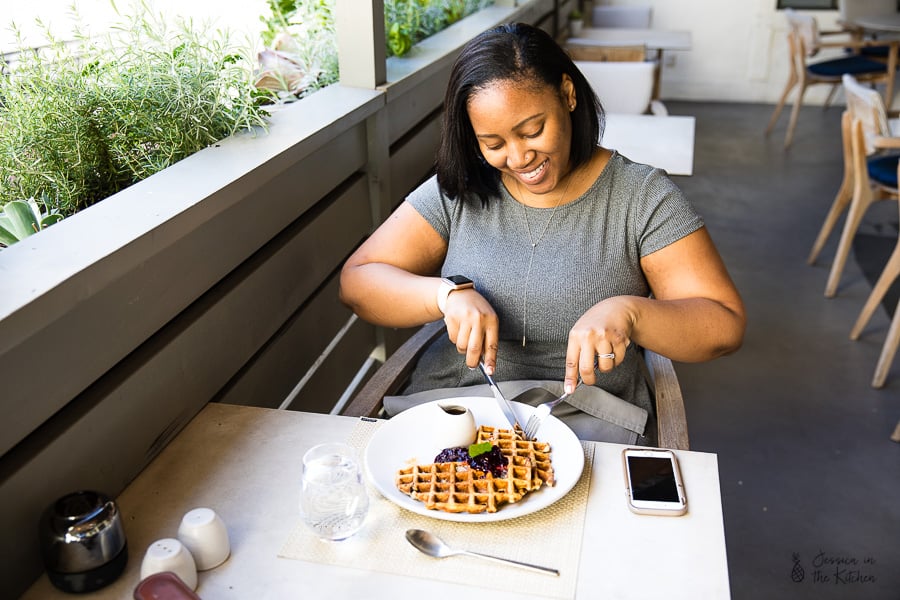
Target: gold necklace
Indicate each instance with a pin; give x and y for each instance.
(534, 244)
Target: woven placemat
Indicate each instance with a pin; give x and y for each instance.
(550, 537)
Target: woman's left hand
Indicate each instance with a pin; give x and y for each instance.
(598, 340)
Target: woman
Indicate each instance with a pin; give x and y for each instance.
(577, 254)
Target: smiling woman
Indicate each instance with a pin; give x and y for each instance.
(579, 256)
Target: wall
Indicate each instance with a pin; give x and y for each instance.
(739, 49)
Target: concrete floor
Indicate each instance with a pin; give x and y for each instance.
(810, 479)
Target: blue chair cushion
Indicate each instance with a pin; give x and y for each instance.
(883, 169)
(855, 65)
(879, 51)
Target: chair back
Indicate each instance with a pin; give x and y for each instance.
(803, 33)
(623, 87)
(633, 17)
(585, 51)
(866, 106)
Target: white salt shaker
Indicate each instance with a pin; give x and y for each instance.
(168, 554)
(204, 533)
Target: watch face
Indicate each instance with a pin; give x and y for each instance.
(458, 279)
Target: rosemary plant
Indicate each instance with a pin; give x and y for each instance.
(80, 121)
(408, 22)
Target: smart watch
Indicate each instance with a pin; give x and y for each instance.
(451, 284)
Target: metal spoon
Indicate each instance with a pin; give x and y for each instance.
(432, 545)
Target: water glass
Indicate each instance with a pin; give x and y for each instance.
(333, 497)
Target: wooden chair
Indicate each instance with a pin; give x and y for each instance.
(844, 193)
(804, 42)
(590, 50)
(849, 11)
(888, 275)
(390, 378)
(870, 169)
(625, 64)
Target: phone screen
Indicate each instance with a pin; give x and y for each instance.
(652, 479)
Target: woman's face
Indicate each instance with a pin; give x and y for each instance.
(525, 131)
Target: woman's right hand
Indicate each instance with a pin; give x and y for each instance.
(389, 281)
(473, 326)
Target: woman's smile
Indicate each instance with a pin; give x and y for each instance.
(534, 176)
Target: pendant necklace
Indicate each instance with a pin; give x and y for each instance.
(534, 243)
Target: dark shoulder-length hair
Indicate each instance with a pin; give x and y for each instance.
(517, 52)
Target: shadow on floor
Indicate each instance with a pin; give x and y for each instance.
(871, 253)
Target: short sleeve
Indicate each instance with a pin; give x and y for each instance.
(434, 206)
(665, 215)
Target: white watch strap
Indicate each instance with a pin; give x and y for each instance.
(442, 294)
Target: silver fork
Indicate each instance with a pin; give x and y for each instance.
(540, 413)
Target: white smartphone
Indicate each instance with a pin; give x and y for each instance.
(653, 482)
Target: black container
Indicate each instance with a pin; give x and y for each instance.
(83, 542)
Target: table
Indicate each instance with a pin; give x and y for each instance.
(666, 142)
(656, 40)
(244, 462)
(889, 24)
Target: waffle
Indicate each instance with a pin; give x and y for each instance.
(530, 457)
(456, 487)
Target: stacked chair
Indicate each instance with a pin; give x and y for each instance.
(805, 41)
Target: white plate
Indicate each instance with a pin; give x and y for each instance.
(390, 449)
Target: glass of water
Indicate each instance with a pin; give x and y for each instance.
(333, 497)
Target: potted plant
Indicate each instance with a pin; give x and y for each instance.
(82, 120)
(576, 22)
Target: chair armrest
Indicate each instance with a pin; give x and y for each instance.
(393, 374)
(886, 142)
(670, 414)
(853, 44)
(390, 376)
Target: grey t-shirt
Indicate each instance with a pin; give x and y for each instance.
(590, 251)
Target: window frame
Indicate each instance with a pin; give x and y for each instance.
(807, 4)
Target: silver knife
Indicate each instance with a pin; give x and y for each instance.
(505, 404)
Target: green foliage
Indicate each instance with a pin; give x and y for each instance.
(299, 35)
(408, 22)
(301, 42)
(83, 120)
(21, 218)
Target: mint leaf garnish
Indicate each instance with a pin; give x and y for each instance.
(476, 449)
